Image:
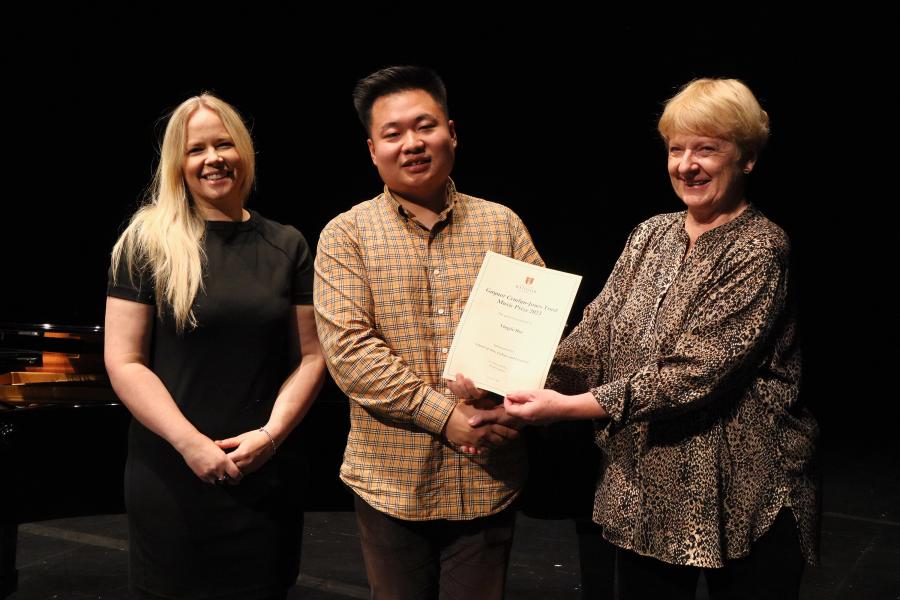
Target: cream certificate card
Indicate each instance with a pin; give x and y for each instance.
(511, 325)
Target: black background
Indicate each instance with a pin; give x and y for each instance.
(555, 111)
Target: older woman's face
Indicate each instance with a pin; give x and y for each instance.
(707, 173)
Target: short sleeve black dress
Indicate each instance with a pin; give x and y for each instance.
(188, 538)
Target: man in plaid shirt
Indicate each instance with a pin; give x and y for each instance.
(392, 278)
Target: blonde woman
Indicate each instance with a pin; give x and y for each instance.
(211, 344)
(689, 362)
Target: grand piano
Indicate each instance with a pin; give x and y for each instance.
(63, 434)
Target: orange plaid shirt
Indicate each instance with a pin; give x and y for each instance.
(388, 296)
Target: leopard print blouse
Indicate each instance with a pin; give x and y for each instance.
(697, 362)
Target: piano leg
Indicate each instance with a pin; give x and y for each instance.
(9, 577)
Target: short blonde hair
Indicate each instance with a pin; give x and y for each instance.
(724, 108)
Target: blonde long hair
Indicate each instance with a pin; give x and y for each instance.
(165, 236)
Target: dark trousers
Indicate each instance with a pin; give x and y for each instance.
(771, 571)
(597, 559)
(449, 560)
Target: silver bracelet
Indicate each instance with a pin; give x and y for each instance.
(271, 439)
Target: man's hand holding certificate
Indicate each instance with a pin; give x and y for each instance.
(512, 323)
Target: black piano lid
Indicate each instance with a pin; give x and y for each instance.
(30, 337)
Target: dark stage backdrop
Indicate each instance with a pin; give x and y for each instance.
(556, 118)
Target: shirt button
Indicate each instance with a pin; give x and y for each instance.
(443, 351)
(440, 311)
(437, 271)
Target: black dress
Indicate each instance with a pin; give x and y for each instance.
(188, 538)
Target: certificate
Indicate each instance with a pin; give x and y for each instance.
(512, 323)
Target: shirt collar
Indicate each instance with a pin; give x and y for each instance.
(450, 194)
(718, 232)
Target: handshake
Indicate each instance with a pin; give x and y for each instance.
(479, 424)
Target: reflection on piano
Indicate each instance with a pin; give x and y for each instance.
(63, 434)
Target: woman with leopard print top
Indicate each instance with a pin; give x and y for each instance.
(689, 362)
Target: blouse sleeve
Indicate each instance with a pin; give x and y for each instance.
(581, 356)
(724, 339)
